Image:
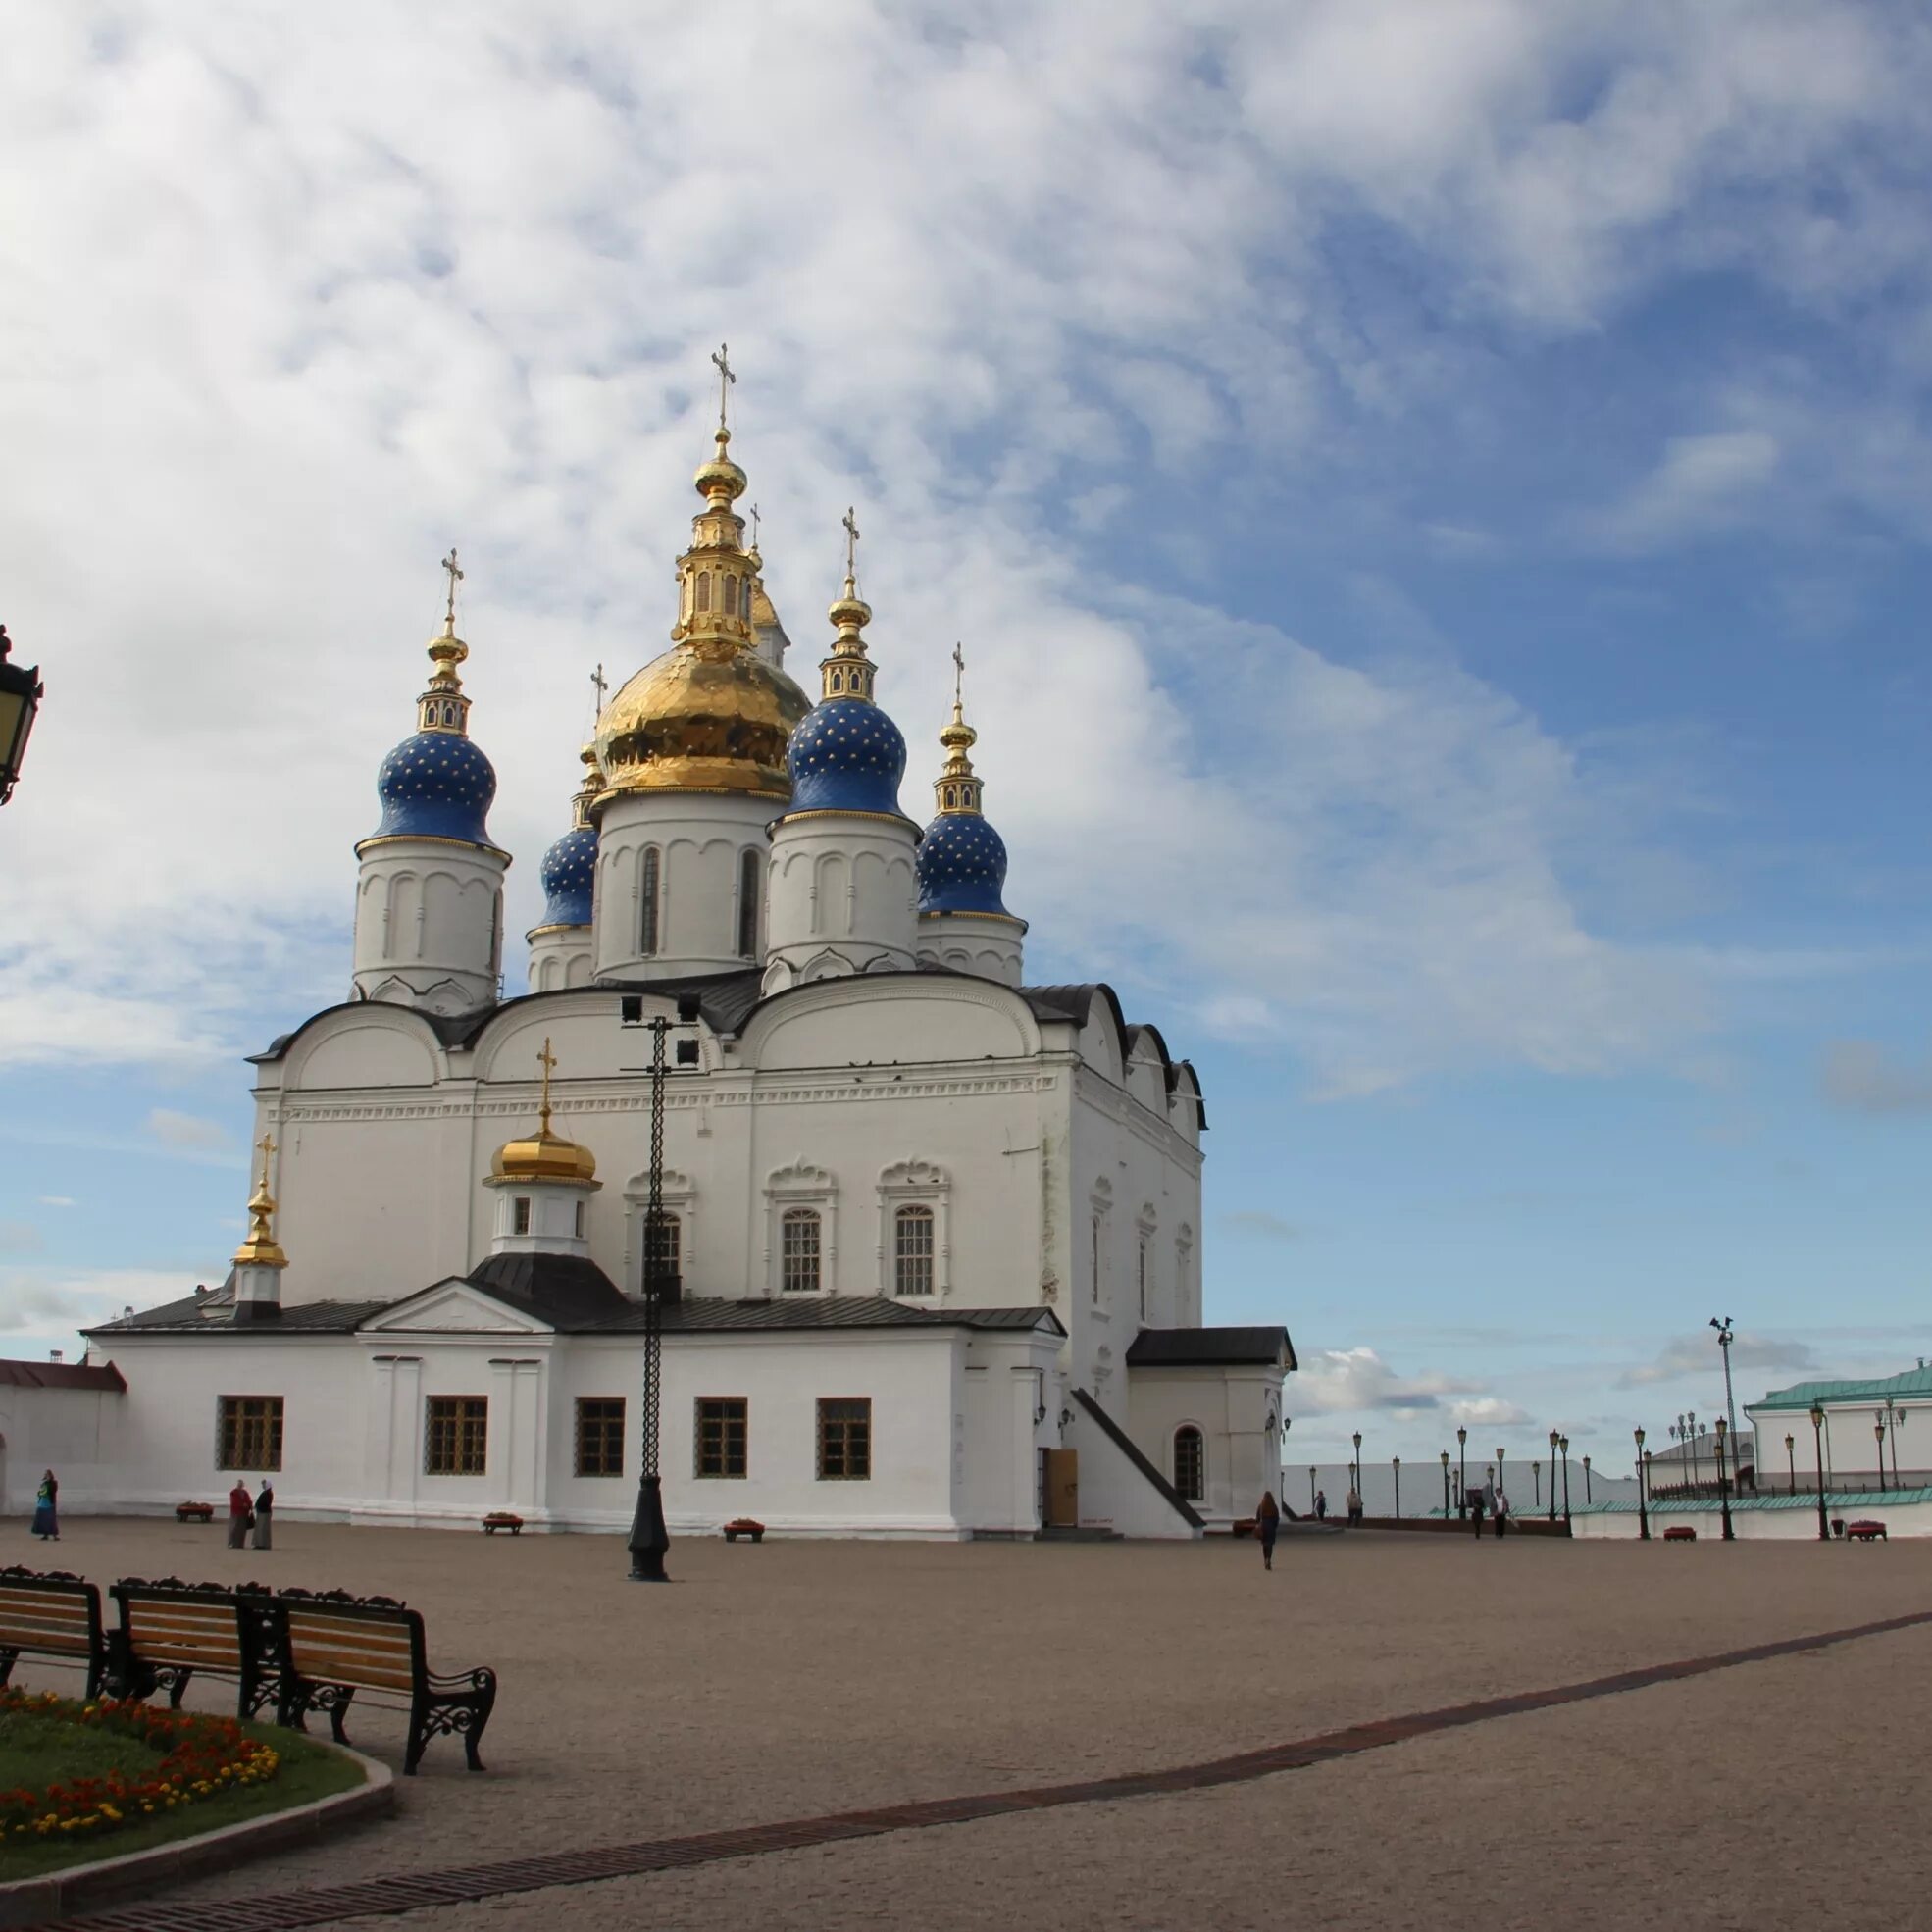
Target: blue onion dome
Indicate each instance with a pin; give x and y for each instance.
(962, 865)
(570, 866)
(845, 756)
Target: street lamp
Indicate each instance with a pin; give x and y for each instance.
(1445, 1501)
(1396, 1463)
(1643, 1508)
(1818, 1445)
(1723, 1484)
(1499, 1466)
(1566, 1442)
(1554, 1439)
(1312, 1489)
(20, 692)
(649, 1539)
(1462, 1470)
(1356, 1474)
(1585, 1482)
(1790, 1464)
(1724, 1339)
(1878, 1430)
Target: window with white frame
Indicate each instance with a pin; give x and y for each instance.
(649, 867)
(801, 1230)
(915, 1199)
(802, 1252)
(1101, 1206)
(912, 1251)
(1190, 1463)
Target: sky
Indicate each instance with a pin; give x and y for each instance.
(1434, 496)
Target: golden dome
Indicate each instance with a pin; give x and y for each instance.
(543, 1156)
(707, 716)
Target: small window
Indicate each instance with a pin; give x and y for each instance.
(704, 590)
(520, 1215)
(249, 1431)
(721, 1436)
(1143, 1276)
(631, 1009)
(580, 1220)
(799, 1250)
(600, 1436)
(837, 681)
(730, 597)
(845, 1438)
(1190, 1463)
(912, 1251)
(1096, 1261)
(647, 895)
(456, 1440)
(749, 880)
(662, 1249)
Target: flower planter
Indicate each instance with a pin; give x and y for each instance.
(744, 1526)
(1680, 1533)
(194, 1512)
(502, 1519)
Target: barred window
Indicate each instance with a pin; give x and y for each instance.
(845, 1438)
(721, 1435)
(520, 1215)
(663, 1247)
(249, 1431)
(912, 1251)
(799, 1250)
(1190, 1463)
(600, 1436)
(456, 1439)
(648, 868)
(747, 905)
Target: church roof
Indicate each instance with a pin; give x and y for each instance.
(62, 1375)
(567, 1291)
(212, 1312)
(1210, 1348)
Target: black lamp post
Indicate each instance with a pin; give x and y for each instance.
(1462, 1470)
(1445, 1501)
(1554, 1439)
(1536, 1484)
(1878, 1434)
(1585, 1482)
(1818, 1445)
(1566, 1481)
(1312, 1489)
(649, 1539)
(20, 692)
(1498, 1466)
(1724, 1338)
(1643, 1507)
(1724, 1484)
(1356, 1468)
(1396, 1463)
(1791, 1463)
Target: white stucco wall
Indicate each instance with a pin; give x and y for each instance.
(77, 1433)
(1230, 1407)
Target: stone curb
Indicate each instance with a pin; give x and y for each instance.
(38, 1901)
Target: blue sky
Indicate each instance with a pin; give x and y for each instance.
(1435, 498)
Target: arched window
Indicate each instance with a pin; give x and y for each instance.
(799, 1251)
(838, 681)
(647, 895)
(1095, 1259)
(663, 1250)
(704, 590)
(580, 1220)
(1143, 1276)
(730, 597)
(747, 904)
(1190, 1463)
(520, 1215)
(912, 1251)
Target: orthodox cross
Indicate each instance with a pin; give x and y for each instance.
(546, 1060)
(958, 673)
(266, 1144)
(455, 571)
(755, 526)
(727, 375)
(851, 545)
(600, 686)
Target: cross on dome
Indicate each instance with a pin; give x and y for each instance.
(727, 375)
(455, 571)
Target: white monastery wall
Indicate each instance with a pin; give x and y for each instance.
(701, 841)
(1230, 1407)
(76, 1433)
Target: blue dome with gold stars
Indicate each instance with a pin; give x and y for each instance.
(569, 873)
(962, 865)
(437, 784)
(845, 756)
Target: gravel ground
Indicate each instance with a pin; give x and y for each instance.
(798, 1678)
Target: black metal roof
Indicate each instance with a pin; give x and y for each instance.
(569, 1290)
(1210, 1348)
(213, 1313)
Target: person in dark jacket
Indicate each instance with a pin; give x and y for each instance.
(1477, 1504)
(241, 1514)
(1321, 1505)
(46, 1509)
(265, 1516)
(1267, 1526)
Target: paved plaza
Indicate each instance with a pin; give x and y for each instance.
(793, 1680)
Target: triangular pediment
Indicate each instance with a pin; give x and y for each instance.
(453, 1308)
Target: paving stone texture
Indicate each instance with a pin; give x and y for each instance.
(793, 1680)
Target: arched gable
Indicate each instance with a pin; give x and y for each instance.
(882, 1019)
(368, 1043)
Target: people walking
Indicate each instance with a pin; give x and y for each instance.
(1475, 1500)
(265, 1516)
(240, 1515)
(46, 1509)
(1355, 1504)
(1321, 1505)
(1267, 1526)
(1502, 1512)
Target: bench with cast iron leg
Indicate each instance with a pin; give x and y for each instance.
(53, 1615)
(332, 1648)
(171, 1631)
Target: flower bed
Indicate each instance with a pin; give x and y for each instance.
(200, 1757)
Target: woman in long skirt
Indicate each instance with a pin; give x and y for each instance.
(46, 1509)
(263, 1517)
(1267, 1526)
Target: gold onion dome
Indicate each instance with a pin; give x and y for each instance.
(711, 714)
(261, 1250)
(543, 1155)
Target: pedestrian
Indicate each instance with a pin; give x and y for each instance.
(1321, 1505)
(1502, 1512)
(1475, 1501)
(46, 1509)
(1355, 1504)
(265, 1516)
(1267, 1525)
(241, 1515)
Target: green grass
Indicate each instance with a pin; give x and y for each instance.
(309, 1770)
(37, 1750)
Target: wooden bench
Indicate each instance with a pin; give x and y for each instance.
(170, 1631)
(332, 1647)
(1866, 1530)
(54, 1614)
(1680, 1533)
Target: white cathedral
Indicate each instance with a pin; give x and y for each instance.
(930, 1239)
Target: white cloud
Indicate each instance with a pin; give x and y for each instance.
(1258, 1221)
(280, 333)
(1697, 1355)
(1701, 483)
(39, 1301)
(58, 1201)
(1862, 1077)
(1487, 1412)
(185, 1129)
(1332, 1381)
(20, 1238)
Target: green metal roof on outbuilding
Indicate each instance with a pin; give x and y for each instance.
(1802, 1394)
